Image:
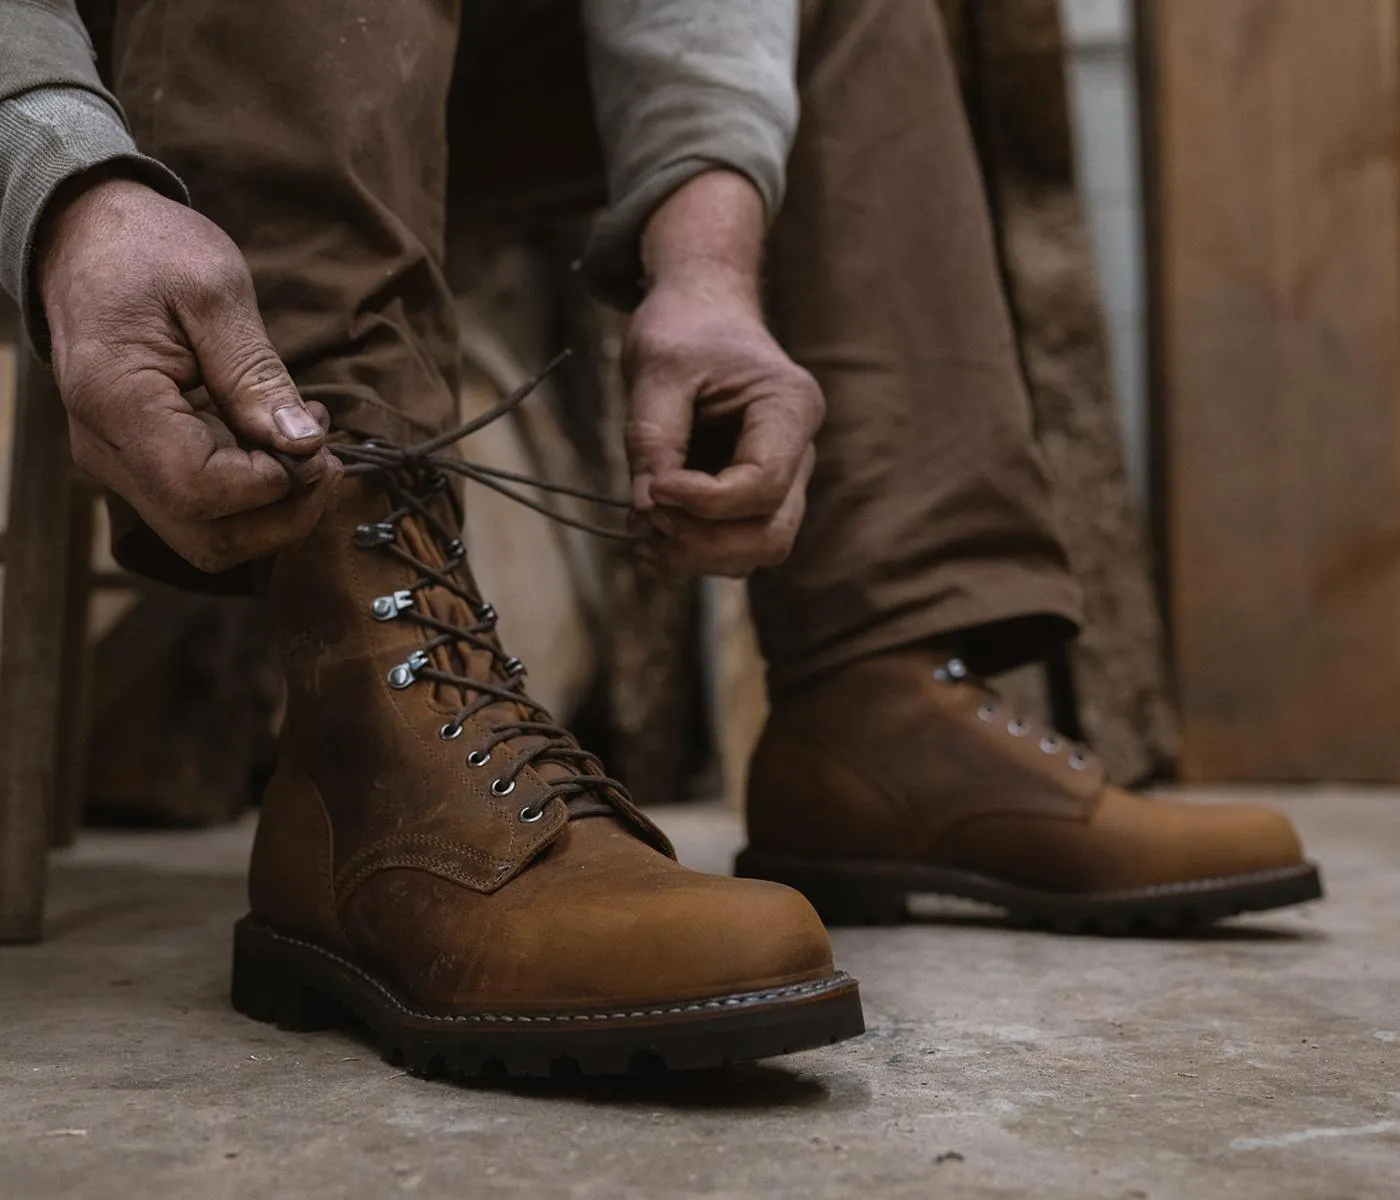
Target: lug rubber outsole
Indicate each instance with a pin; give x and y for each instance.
(877, 893)
(297, 984)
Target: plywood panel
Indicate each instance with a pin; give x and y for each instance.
(1280, 338)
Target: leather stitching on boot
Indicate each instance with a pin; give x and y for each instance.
(364, 863)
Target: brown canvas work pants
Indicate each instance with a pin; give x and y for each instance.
(327, 137)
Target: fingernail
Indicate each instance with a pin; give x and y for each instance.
(296, 423)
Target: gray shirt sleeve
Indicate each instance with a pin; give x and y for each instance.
(682, 87)
(56, 121)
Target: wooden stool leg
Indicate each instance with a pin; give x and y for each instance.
(75, 693)
(31, 647)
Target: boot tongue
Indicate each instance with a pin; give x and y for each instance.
(461, 658)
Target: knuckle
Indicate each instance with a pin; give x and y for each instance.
(80, 401)
(210, 556)
(85, 457)
(181, 498)
(808, 391)
(649, 348)
(80, 383)
(254, 367)
(653, 342)
(218, 275)
(640, 435)
(645, 440)
(335, 471)
(209, 294)
(776, 548)
(816, 400)
(771, 493)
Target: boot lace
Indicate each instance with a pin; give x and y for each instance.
(416, 479)
(991, 711)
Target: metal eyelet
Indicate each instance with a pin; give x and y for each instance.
(486, 614)
(501, 787)
(957, 669)
(987, 712)
(455, 549)
(1077, 762)
(405, 673)
(386, 608)
(450, 732)
(1018, 728)
(1051, 745)
(513, 666)
(530, 814)
(478, 758)
(367, 537)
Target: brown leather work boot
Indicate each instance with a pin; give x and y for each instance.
(902, 775)
(439, 860)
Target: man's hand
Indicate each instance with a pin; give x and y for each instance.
(167, 375)
(703, 370)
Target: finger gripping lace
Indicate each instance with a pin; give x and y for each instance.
(417, 484)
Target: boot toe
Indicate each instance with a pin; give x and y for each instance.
(696, 936)
(1163, 841)
(763, 935)
(652, 929)
(1247, 839)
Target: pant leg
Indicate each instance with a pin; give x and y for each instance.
(521, 99)
(314, 133)
(928, 513)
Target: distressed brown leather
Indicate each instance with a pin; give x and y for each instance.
(883, 761)
(378, 839)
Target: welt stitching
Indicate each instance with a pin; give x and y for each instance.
(717, 1004)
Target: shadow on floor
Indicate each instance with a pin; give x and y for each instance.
(931, 915)
(729, 1089)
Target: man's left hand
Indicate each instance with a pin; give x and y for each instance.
(699, 361)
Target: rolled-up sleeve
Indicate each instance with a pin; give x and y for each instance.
(682, 87)
(56, 121)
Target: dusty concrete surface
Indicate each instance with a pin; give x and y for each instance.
(1260, 1062)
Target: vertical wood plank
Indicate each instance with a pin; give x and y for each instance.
(1279, 195)
(31, 643)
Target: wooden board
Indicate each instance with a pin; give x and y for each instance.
(1278, 196)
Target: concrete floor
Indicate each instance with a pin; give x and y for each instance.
(1262, 1061)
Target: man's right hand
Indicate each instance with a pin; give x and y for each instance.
(169, 379)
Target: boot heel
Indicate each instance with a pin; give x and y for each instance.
(267, 985)
(842, 895)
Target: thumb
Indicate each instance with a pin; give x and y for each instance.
(248, 382)
(657, 434)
